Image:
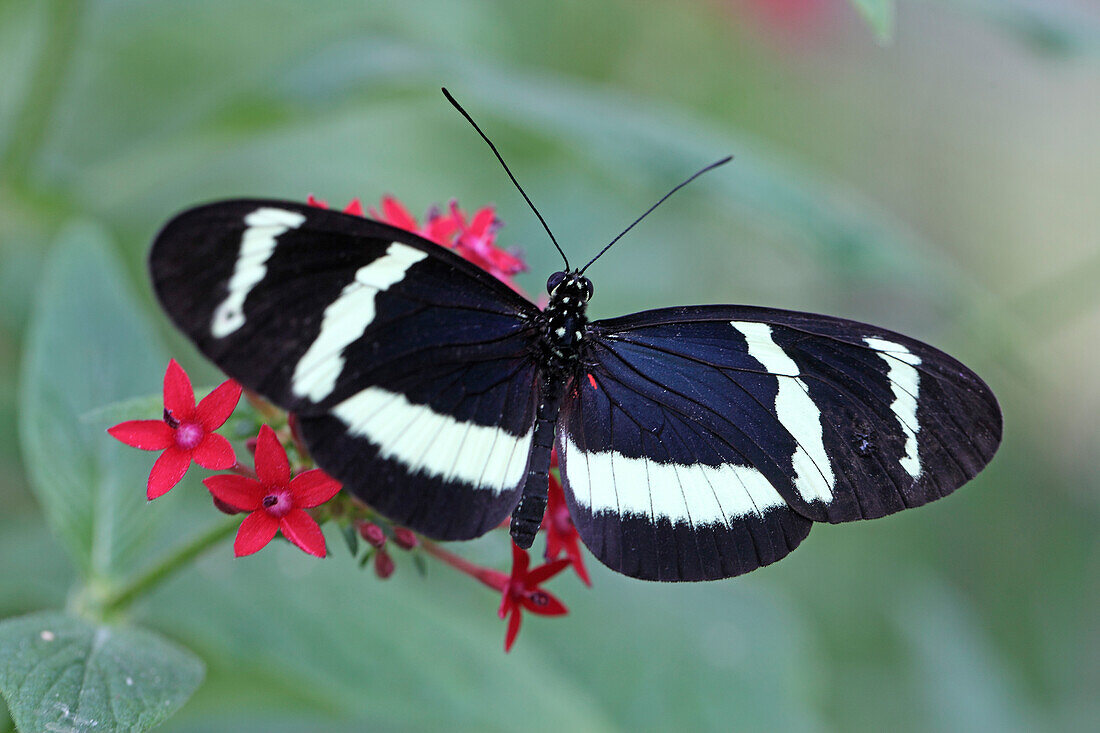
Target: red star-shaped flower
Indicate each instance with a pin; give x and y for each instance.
(437, 227)
(477, 243)
(561, 534)
(274, 500)
(521, 591)
(186, 433)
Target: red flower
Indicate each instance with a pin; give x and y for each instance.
(475, 241)
(522, 591)
(518, 591)
(354, 207)
(437, 228)
(275, 501)
(186, 433)
(561, 534)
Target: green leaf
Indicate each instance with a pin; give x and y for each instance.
(351, 537)
(88, 345)
(879, 14)
(59, 672)
(287, 636)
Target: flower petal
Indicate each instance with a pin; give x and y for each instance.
(217, 406)
(483, 219)
(573, 552)
(179, 397)
(397, 215)
(257, 529)
(167, 471)
(313, 488)
(354, 207)
(241, 492)
(520, 561)
(440, 229)
(214, 452)
(513, 630)
(545, 572)
(272, 465)
(144, 434)
(542, 603)
(302, 530)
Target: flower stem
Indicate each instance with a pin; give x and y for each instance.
(123, 597)
(492, 578)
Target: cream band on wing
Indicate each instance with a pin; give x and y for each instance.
(346, 319)
(905, 384)
(257, 245)
(438, 445)
(695, 494)
(796, 412)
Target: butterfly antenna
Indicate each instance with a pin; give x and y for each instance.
(695, 175)
(492, 147)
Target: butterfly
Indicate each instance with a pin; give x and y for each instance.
(695, 443)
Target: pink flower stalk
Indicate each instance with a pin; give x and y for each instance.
(275, 501)
(186, 433)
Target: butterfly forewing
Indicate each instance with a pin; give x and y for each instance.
(411, 370)
(706, 434)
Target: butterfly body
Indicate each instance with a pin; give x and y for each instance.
(695, 443)
(563, 328)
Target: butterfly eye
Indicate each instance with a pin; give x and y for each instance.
(586, 284)
(554, 281)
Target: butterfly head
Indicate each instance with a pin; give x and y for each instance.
(564, 316)
(569, 287)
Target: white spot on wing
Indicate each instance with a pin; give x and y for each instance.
(814, 479)
(435, 444)
(345, 320)
(697, 494)
(257, 244)
(905, 384)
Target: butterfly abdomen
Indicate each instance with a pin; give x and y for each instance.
(528, 514)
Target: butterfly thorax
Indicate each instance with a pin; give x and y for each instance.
(565, 320)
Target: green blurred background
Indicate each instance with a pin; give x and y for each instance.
(945, 184)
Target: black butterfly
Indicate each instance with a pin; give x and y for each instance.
(695, 442)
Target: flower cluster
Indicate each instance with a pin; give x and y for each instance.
(472, 238)
(294, 498)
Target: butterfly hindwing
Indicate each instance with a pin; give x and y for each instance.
(704, 432)
(409, 369)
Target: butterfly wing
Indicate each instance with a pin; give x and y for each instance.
(708, 438)
(410, 369)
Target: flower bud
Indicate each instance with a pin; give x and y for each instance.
(372, 533)
(383, 564)
(405, 538)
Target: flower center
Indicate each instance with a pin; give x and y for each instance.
(278, 503)
(189, 435)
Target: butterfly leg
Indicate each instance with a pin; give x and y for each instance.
(527, 516)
